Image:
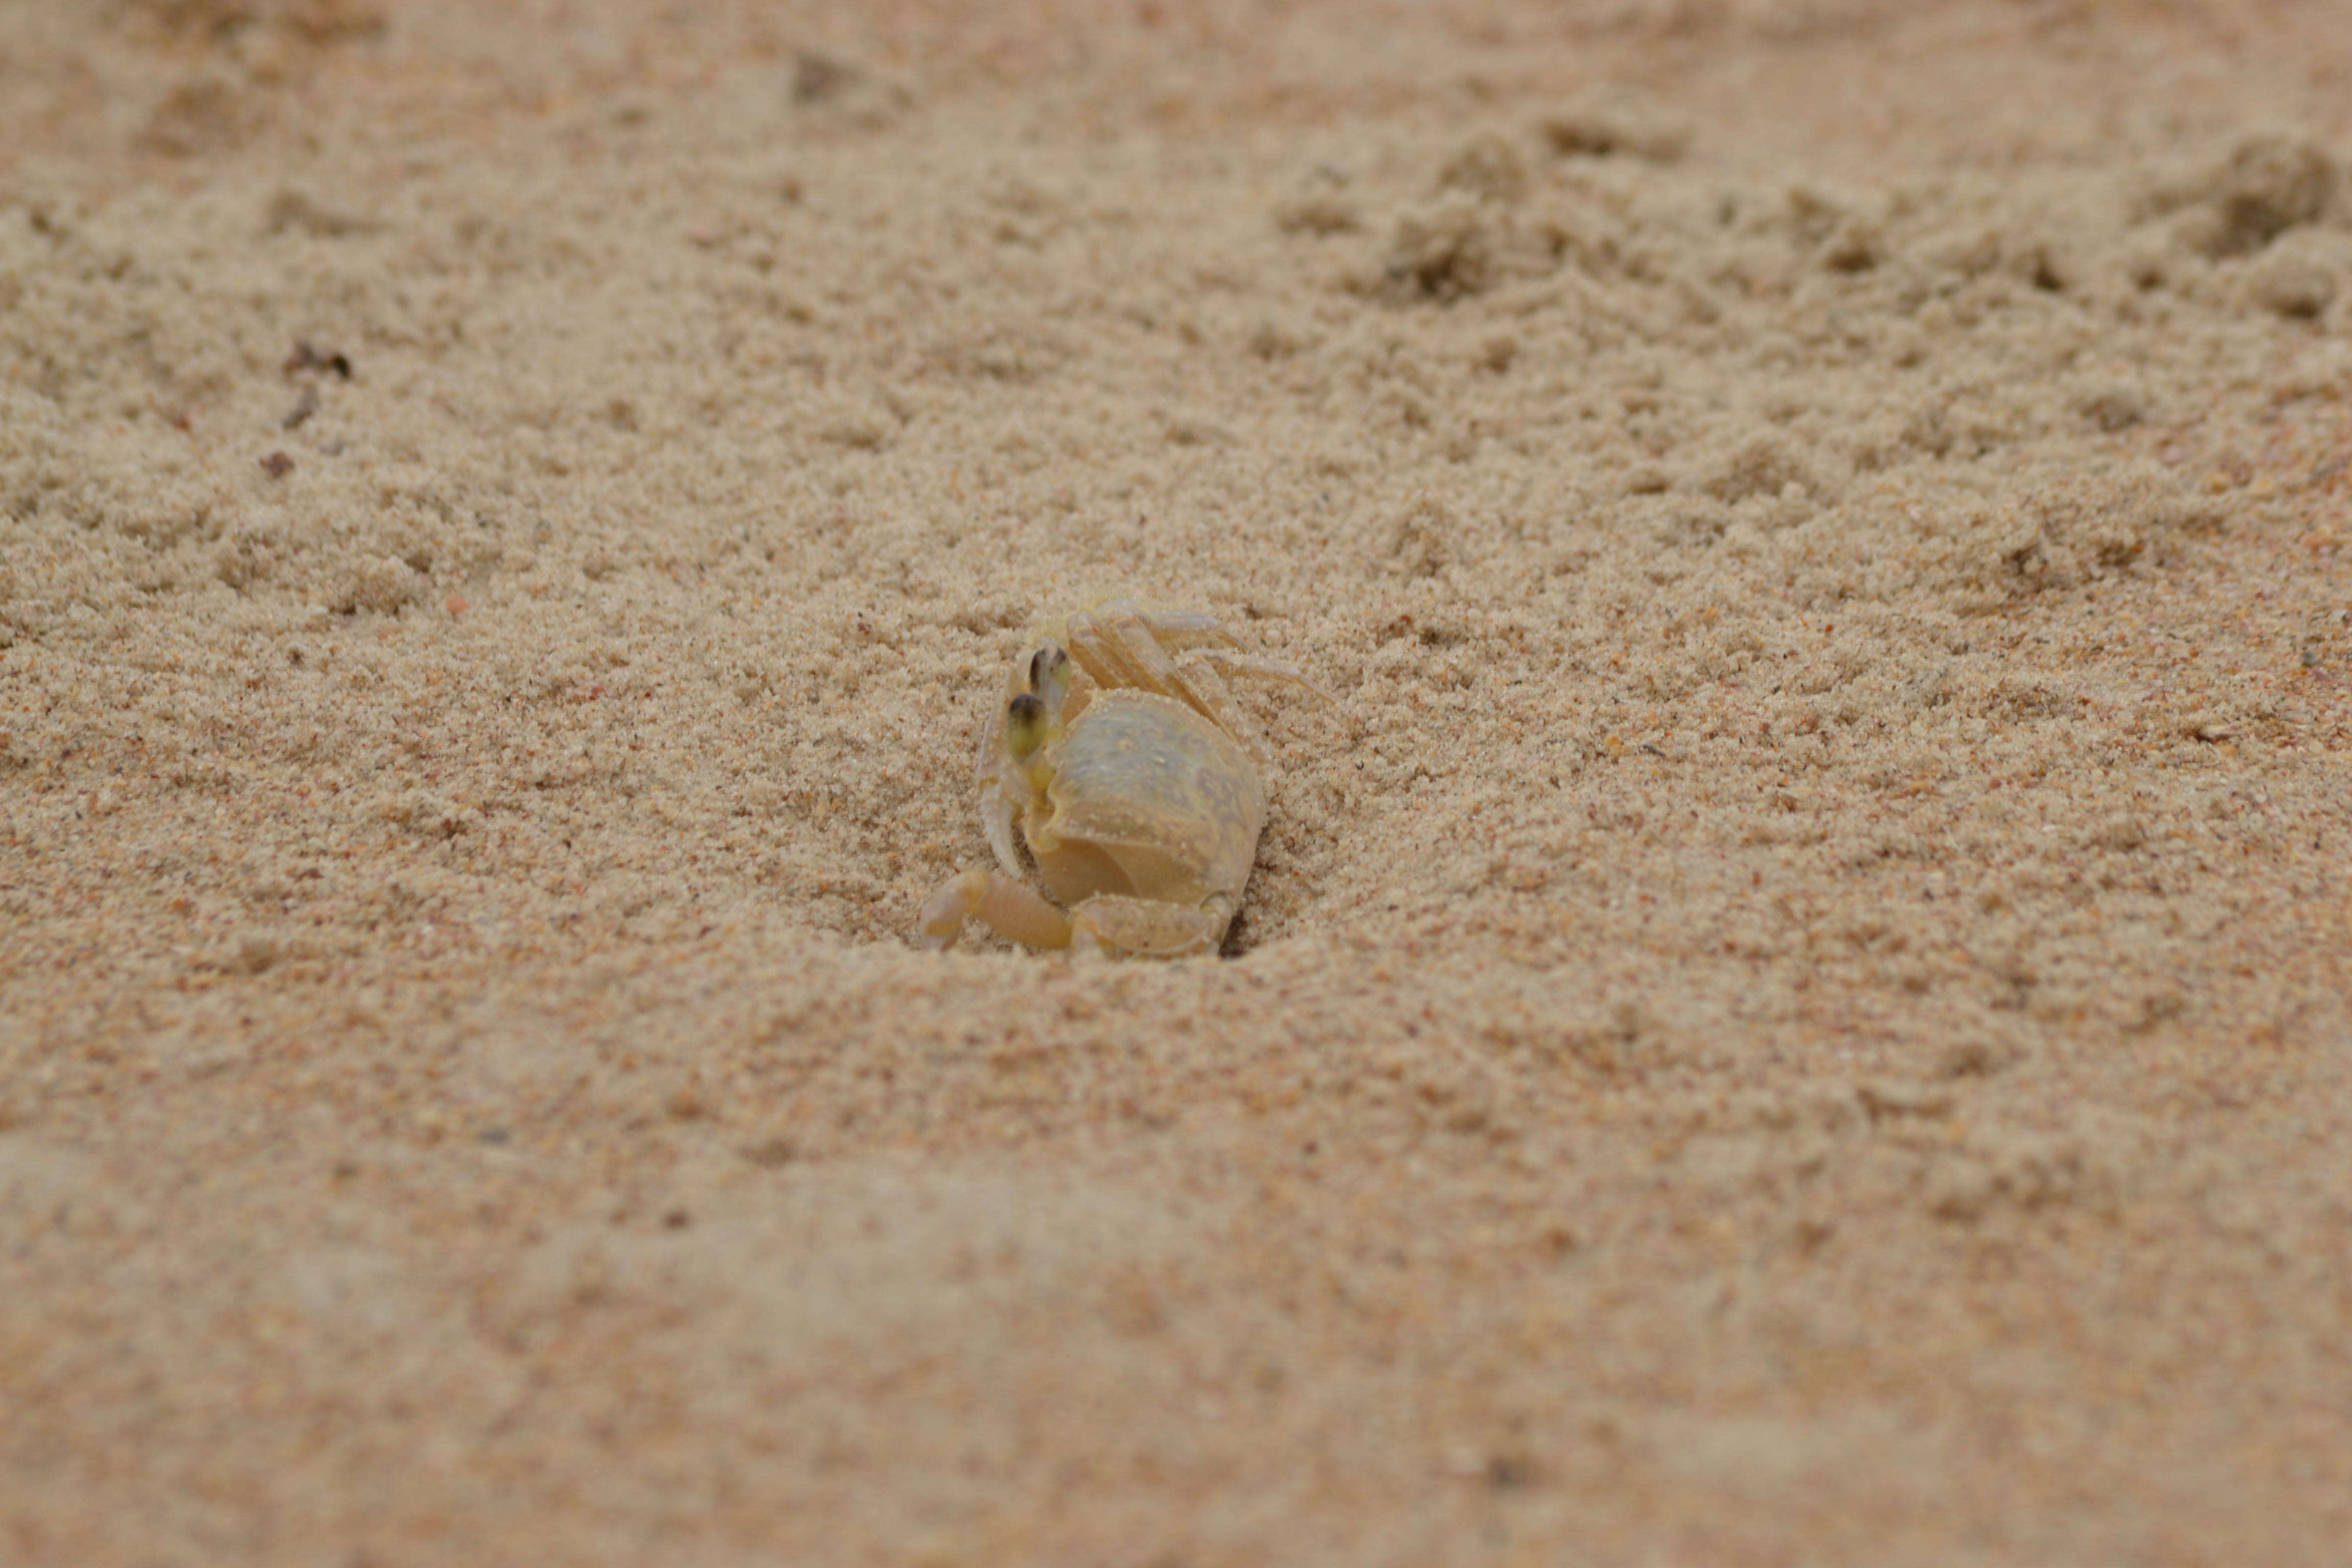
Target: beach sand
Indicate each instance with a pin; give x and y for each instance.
(1793, 1009)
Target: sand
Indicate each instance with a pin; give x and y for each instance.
(1792, 1011)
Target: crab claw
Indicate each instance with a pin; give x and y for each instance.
(1007, 907)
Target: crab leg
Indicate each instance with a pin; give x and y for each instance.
(998, 808)
(1001, 904)
(1204, 690)
(1113, 659)
(1230, 663)
(1118, 644)
(1110, 923)
(1182, 654)
(1183, 627)
(1151, 638)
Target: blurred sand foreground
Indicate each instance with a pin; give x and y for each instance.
(1793, 1012)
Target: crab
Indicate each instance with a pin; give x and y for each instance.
(1123, 763)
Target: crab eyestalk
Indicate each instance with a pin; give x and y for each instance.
(1028, 725)
(1025, 724)
(1034, 717)
(1050, 677)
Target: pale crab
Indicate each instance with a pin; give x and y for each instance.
(1132, 775)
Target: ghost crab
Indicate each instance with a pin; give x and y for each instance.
(1131, 774)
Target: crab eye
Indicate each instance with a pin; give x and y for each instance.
(1024, 725)
(1044, 665)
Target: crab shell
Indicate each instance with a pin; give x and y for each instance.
(1145, 799)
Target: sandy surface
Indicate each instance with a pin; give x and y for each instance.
(1794, 1010)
